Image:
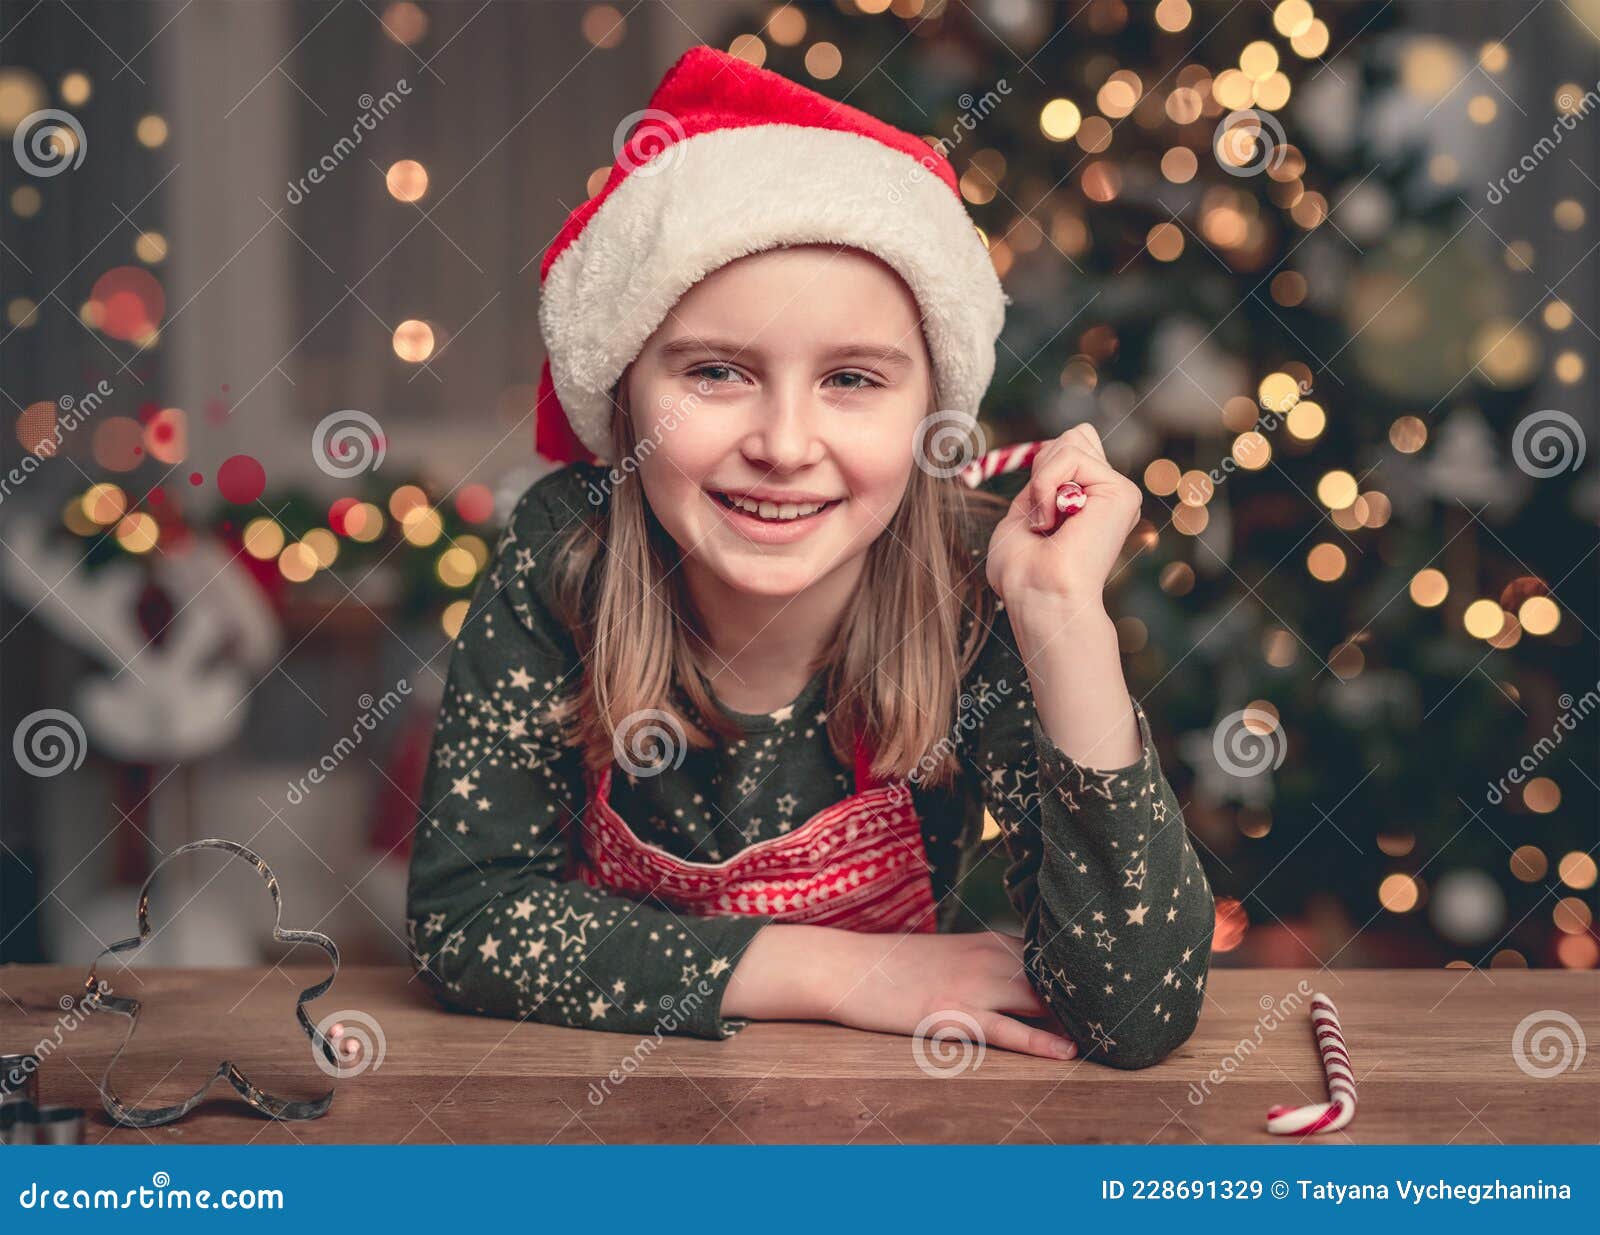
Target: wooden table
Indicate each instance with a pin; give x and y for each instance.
(1432, 1050)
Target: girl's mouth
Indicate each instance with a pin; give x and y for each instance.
(771, 522)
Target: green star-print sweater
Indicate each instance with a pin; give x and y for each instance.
(1116, 910)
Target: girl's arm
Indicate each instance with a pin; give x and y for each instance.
(1118, 915)
(495, 926)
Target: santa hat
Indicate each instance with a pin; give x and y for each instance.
(730, 159)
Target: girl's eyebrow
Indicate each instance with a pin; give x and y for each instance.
(695, 346)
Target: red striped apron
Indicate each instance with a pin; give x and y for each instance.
(859, 865)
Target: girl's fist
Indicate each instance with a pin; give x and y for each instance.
(1038, 554)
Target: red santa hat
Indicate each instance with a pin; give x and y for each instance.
(731, 159)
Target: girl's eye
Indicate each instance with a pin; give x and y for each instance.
(715, 373)
(856, 381)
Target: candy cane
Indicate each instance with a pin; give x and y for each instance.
(1340, 1109)
(1001, 459)
(1070, 497)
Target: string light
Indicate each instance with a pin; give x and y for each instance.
(263, 538)
(455, 567)
(1484, 619)
(76, 89)
(104, 503)
(422, 526)
(787, 25)
(823, 61)
(297, 563)
(1336, 489)
(1325, 562)
(1528, 863)
(749, 48)
(405, 22)
(476, 547)
(138, 532)
(1399, 893)
(78, 523)
(151, 131)
(150, 247)
(1306, 421)
(413, 341)
(324, 544)
(405, 499)
(454, 616)
(1541, 795)
(603, 26)
(1539, 615)
(1165, 242)
(1161, 477)
(1577, 870)
(363, 522)
(1292, 18)
(1312, 41)
(1408, 434)
(1059, 119)
(406, 180)
(1173, 15)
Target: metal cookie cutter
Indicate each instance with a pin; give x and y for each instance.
(266, 1103)
(22, 1120)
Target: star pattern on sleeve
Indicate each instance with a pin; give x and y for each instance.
(1088, 846)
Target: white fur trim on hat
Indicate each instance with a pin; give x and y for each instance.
(719, 195)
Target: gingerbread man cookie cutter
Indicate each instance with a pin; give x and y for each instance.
(274, 1107)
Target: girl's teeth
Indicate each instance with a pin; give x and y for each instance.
(771, 510)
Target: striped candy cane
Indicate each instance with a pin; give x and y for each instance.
(1340, 1108)
(1070, 497)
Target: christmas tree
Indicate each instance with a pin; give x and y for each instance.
(1246, 243)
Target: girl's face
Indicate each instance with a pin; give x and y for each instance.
(793, 381)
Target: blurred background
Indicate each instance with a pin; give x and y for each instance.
(1323, 276)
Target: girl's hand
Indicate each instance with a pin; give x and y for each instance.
(1057, 559)
(905, 984)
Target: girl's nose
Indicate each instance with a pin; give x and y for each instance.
(785, 437)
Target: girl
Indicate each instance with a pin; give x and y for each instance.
(724, 718)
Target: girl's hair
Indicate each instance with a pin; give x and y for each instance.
(896, 658)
